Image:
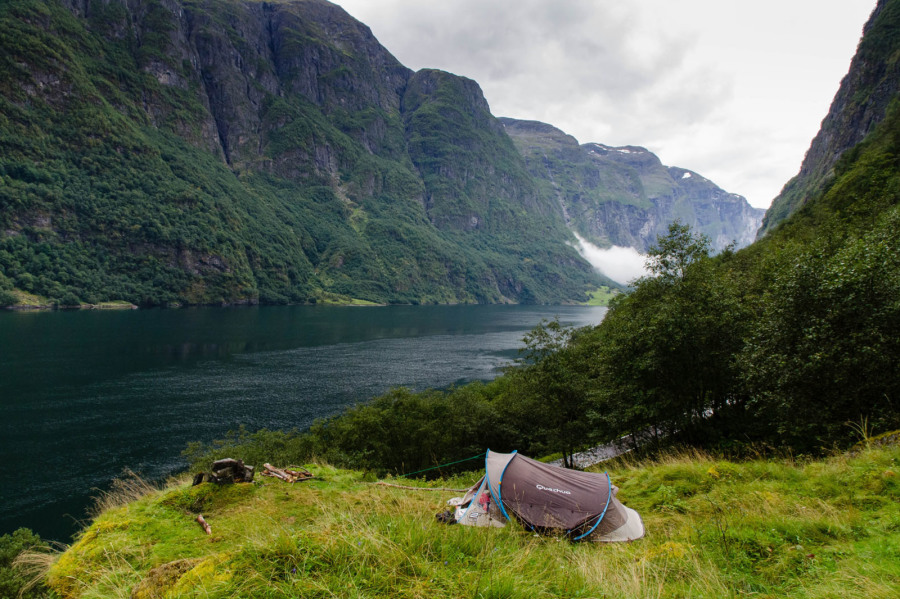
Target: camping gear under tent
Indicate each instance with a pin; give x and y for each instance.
(547, 498)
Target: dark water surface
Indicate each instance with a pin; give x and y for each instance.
(84, 395)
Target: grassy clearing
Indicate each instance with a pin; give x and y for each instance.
(30, 300)
(25, 301)
(827, 528)
(601, 296)
(332, 299)
(115, 305)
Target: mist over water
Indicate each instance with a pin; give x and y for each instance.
(84, 395)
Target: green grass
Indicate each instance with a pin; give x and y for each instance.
(25, 299)
(601, 296)
(766, 528)
(115, 305)
(329, 299)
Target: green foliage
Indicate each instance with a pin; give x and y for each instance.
(674, 253)
(277, 447)
(552, 389)
(113, 183)
(12, 580)
(398, 432)
(7, 298)
(782, 344)
(825, 348)
(662, 360)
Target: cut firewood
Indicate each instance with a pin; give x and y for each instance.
(204, 524)
(287, 475)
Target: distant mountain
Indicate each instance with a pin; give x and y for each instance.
(237, 151)
(625, 196)
(209, 151)
(861, 103)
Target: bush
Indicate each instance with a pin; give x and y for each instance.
(7, 298)
(12, 580)
(69, 299)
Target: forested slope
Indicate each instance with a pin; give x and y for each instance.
(240, 151)
(229, 151)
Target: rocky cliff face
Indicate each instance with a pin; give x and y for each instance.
(625, 196)
(232, 150)
(237, 58)
(474, 177)
(859, 105)
(210, 151)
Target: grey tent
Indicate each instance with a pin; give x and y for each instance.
(547, 498)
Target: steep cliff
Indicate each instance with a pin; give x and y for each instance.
(859, 105)
(238, 151)
(626, 196)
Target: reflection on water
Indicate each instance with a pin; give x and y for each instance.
(84, 395)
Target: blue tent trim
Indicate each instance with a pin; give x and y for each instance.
(498, 500)
(599, 519)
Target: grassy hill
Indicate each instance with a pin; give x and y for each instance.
(764, 528)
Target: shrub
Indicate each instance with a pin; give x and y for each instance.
(12, 580)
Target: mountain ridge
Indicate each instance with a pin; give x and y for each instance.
(861, 102)
(625, 196)
(254, 152)
(201, 152)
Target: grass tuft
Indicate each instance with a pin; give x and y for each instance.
(125, 489)
(34, 564)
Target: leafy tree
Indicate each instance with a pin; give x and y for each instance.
(663, 356)
(69, 299)
(553, 389)
(826, 349)
(7, 298)
(672, 254)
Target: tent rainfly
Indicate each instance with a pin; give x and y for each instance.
(547, 498)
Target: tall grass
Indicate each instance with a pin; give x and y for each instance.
(34, 564)
(763, 528)
(123, 490)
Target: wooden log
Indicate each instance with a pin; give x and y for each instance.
(287, 475)
(276, 472)
(204, 524)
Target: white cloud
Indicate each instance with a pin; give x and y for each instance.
(733, 91)
(621, 264)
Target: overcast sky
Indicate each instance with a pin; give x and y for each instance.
(733, 90)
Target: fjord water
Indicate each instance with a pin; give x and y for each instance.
(84, 395)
